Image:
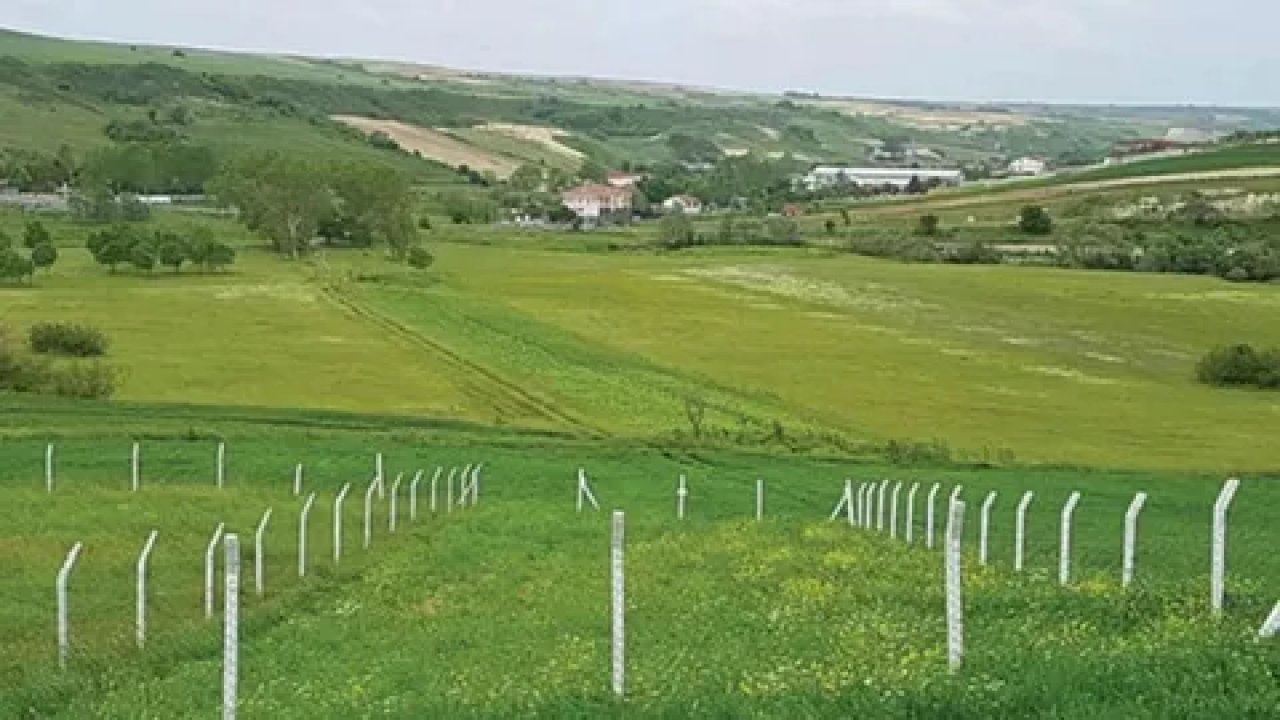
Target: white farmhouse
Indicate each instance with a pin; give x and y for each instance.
(687, 204)
(598, 203)
(1029, 166)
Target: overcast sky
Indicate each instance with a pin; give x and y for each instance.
(1168, 51)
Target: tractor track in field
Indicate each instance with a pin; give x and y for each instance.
(476, 380)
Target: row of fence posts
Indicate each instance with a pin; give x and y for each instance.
(865, 507)
(468, 496)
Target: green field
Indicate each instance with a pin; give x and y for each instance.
(1228, 158)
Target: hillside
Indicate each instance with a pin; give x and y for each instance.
(63, 84)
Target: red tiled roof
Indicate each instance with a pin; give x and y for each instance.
(596, 189)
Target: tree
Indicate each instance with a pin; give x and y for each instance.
(43, 256)
(133, 209)
(36, 235)
(1035, 220)
(676, 231)
(220, 256)
(143, 256)
(95, 204)
(830, 226)
(844, 216)
(113, 246)
(6, 242)
(928, 225)
(171, 250)
(283, 198)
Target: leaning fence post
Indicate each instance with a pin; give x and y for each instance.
(955, 603)
(985, 526)
(144, 558)
(1020, 530)
(911, 512)
(1064, 550)
(391, 509)
(259, 554)
(1131, 537)
(413, 495)
(1217, 583)
(1271, 626)
(337, 523)
(302, 534)
(844, 502)
(209, 566)
(929, 514)
(618, 607)
(893, 510)
(64, 632)
(220, 464)
(135, 466)
(682, 495)
(48, 467)
(231, 628)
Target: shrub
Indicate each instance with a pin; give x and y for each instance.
(1241, 365)
(928, 225)
(85, 380)
(1035, 220)
(420, 258)
(67, 339)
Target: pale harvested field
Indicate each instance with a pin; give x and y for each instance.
(923, 118)
(547, 137)
(434, 145)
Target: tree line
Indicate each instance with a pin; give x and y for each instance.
(145, 251)
(40, 253)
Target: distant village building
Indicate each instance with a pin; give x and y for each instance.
(599, 204)
(1029, 166)
(623, 179)
(687, 204)
(828, 176)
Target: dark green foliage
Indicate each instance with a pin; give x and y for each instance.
(139, 131)
(143, 256)
(383, 141)
(830, 226)
(153, 168)
(928, 225)
(845, 218)
(44, 256)
(419, 258)
(13, 266)
(31, 171)
(171, 250)
(1241, 366)
(113, 246)
(95, 204)
(26, 373)
(35, 235)
(1035, 220)
(69, 339)
(219, 256)
(676, 232)
(134, 210)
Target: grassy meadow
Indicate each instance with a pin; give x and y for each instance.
(501, 610)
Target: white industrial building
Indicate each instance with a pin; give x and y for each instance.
(826, 176)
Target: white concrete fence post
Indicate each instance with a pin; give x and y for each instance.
(297, 480)
(893, 510)
(682, 496)
(929, 513)
(392, 510)
(619, 604)
(984, 528)
(584, 491)
(60, 589)
(303, 522)
(464, 485)
(337, 522)
(435, 481)
(144, 559)
(1218, 565)
(955, 600)
(210, 566)
(377, 476)
(135, 467)
(260, 554)
(846, 501)
(880, 505)
(1020, 530)
(1271, 626)
(220, 465)
(911, 513)
(413, 496)
(448, 498)
(1131, 538)
(1064, 549)
(857, 501)
(48, 467)
(231, 628)
(368, 513)
(759, 499)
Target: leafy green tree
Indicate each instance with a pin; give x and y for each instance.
(36, 235)
(6, 242)
(281, 197)
(113, 247)
(43, 256)
(143, 256)
(419, 258)
(676, 231)
(1035, 220)
(95, 204)
(928, 225)
(171, 250)
(220, 256)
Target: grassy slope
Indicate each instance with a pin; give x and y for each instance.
(500, 611)
(1239, 156)
(1057, 366)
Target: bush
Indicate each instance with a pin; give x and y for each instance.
(928, 225)
(1035, 220)
(85, 380)
(67, 339)
(419, 258)
(1241, 366)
